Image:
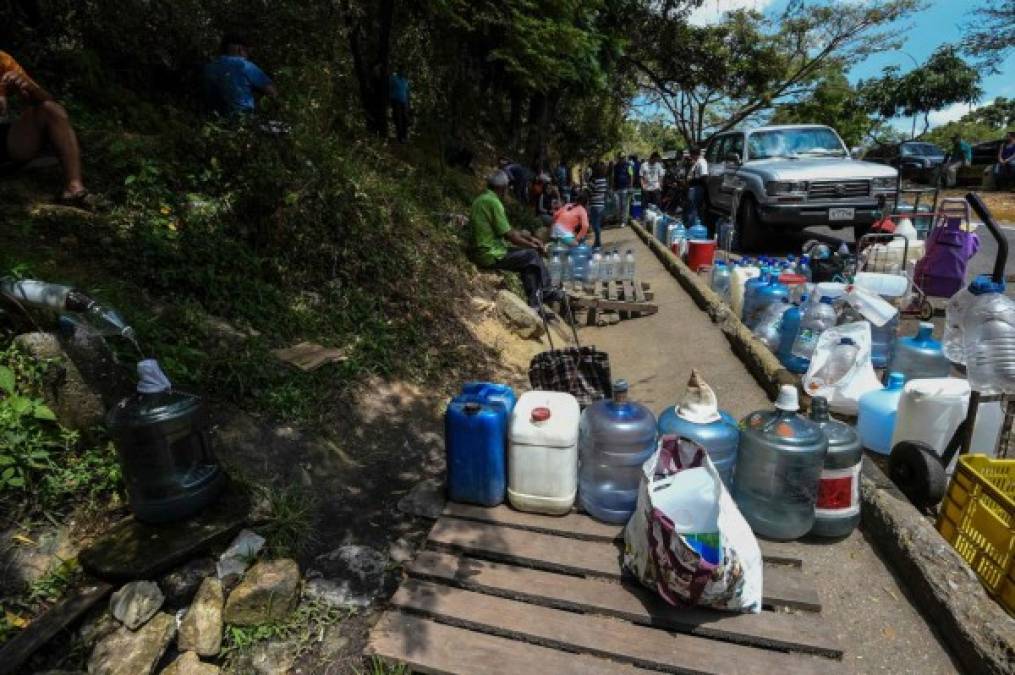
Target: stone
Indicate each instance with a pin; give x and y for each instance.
(189, 664)
(351, 575)
(201, 628)
(518, 316)
(269, 592)
(234, 560)
(72, 400)
(266, 658)
(135, 603)
(426, 499)
(96, 626)
(180, 585)
(225, 332)
(127, 652)
(401, 551)
(30, 555)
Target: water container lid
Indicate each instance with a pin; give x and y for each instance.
(788, 398)
(839, 434)
(819, 409)
(540, 414)
(804, 298)
(471, 408)
(895, 381)
(984, 284)
(621, 386)
(720, 263)
(847, 341)
(825, 300)
(699, 404)
(924, 332)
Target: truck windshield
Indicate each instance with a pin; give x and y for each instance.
(818, 141)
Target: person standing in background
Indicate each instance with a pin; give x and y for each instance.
(232, 82)
(959, 156)
(635, 172)
(597, 201)
(398, 97)
(1004, 170)
(561, 178)
(652, 173)
(622, 187)
(696, 175)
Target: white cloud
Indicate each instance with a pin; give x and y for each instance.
(949, 114)
(711, 11)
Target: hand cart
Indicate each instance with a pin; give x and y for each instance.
(916, 468)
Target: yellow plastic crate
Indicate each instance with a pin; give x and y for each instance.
(977, 518)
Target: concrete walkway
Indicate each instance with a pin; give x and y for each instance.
(875, 621)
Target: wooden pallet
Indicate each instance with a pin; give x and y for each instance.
(628, 299)
(500, 591)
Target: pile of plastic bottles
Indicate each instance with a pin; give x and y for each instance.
(584, 265)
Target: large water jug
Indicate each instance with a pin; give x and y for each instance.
(837, 512)
(697, 230)
(882, 337)
(738, 283)
(930, 411)
(615, 438)
(819, 318)
(789, 328)
(769, 325)
(770, 293)
(543, 452)
(662, 227)
(720, 280)
(475, 434)
(920, 356)
(778, 469)
(580, 256)
(676, 235)
(698, 418)
(750, 288)
(876, 415)
(988, 327)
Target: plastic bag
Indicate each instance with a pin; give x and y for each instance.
(687, 540)
(845, 389)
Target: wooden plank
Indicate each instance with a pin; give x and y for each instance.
(783, 586)
(580, 526)
(43, 629)
(805, 633)
(603, 636)
(431, 647)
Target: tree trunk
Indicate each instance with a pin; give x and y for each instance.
(515, 121)
(372, 77)
(539, 123)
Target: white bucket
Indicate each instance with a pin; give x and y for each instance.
(543, 453)
(930, 411)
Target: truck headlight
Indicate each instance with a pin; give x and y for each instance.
(883, 184)
(786, 187)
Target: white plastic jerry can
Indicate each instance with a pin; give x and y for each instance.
(543, 452)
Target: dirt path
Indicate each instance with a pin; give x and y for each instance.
(876, 623)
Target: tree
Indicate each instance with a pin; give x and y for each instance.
(834, 102)
(711, 78)
(943, 80)
(982, 124)
(992, 35)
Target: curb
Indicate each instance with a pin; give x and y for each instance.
(979, 632)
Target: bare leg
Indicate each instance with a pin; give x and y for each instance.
(48, 120)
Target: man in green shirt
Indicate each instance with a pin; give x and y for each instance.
(960, 155)
(491, 235)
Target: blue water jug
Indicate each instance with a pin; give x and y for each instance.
(787, 336)
(580, 256)
(763, 295)
(876, 417)
(615, 438)
(715, 430)
(920, 357)
(662, 227)
(475, 439)
(697, 231)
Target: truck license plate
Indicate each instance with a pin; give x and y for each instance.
(840, 214)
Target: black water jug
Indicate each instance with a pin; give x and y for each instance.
(165, 450)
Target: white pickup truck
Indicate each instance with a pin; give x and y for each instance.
(793, 177)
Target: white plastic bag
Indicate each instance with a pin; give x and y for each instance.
(687, 540)
(844, 391)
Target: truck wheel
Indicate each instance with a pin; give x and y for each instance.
(749, 225)
(916, 470)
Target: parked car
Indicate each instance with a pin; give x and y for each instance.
(918, 160)
(793, 177)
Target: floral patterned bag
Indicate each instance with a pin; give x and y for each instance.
(686, 539)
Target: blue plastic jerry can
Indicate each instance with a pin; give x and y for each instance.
(475, 438)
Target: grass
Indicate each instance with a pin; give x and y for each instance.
(286, 519)
(303, 629)
(378, 666)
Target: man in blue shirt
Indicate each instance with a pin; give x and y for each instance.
(398, 96)
(622, 175)
(231, 81)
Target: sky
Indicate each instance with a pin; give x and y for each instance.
(941, 22)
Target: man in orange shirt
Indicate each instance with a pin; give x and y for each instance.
(42, 119)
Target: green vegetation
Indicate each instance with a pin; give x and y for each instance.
(302, 630)
(982, 124)
(378, 666)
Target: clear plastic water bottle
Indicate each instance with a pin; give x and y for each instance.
(556, 269)
(567, 271)
(989, 338)
(779, 469)
(840, 361)
(804, 267)
(606, 267)
(720, 282)
(953, 342)
(595, 267)
(618, 265)
(629, 265)
(819, 318)
(789, 328)
(768, 328)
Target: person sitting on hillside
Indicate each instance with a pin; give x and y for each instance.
(571, 222)
(492, 233)
(232, 82)
(960, 155)
(42, 120)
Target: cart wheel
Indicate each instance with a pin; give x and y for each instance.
(926, 310)
(915, 468)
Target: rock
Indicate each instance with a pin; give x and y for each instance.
(135, 603)
(188, 664)
(75, 404)
(401, 551)
(268, 592)
(235, 560)
(96, 625)
(266, 658)
(351, 575)
(201, 628)
(127, 652)
(425, 499)
(30, 555)
(225, 332)
(180, 585)
(518, 316)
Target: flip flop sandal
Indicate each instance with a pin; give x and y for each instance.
(82, 200)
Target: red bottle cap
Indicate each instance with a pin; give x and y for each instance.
(540, 414)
